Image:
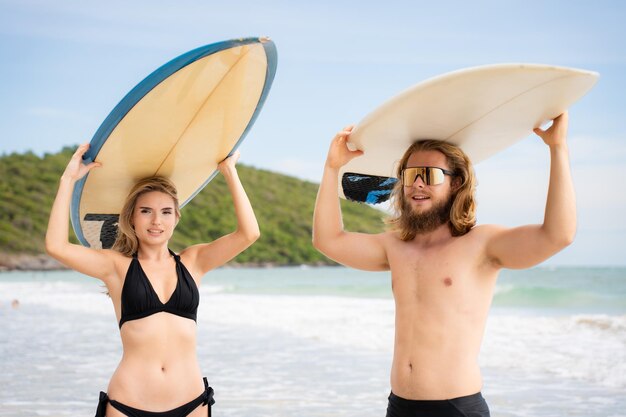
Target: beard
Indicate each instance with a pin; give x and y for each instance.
(414, 223)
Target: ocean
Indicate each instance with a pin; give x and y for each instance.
(317, 342)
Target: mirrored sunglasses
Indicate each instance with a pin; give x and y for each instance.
(430, 175)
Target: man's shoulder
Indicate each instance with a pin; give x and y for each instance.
(388, 236)
(483, 231)
(487, 228)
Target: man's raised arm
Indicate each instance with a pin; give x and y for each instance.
(526, 246)
(357, 250)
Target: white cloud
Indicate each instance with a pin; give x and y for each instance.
(513, 190)
(45, 112)
(306, 169)
(141, 23)
(588, 150)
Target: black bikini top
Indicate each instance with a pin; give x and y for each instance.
(139, 299)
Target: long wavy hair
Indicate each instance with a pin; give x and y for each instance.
(126, 241)
(463, 208)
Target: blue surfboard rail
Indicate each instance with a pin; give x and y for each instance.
(148, 84)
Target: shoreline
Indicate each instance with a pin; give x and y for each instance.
(43, 262)
(28, 262)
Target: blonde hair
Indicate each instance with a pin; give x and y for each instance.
(126, 241)
(463, 209)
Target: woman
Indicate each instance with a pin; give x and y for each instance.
(154, 291)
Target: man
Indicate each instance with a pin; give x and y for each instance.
(443, 267)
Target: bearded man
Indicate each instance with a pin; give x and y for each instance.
(443, 267)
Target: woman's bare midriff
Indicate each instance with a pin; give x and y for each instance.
(159, 363)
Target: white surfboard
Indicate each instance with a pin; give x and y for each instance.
(482, 109)
(179, 122)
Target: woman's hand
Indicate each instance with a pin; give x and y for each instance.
(76, 168)
(228, 163)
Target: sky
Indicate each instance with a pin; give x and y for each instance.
(66, 64)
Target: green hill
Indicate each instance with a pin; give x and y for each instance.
(283, 205)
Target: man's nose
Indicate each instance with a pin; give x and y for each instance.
(419, 181)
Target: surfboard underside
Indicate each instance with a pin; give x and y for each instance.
(181, 128)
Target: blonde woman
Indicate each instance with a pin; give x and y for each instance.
(154, 291)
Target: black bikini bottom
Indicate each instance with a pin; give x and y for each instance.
(468, 406)
(206, 398)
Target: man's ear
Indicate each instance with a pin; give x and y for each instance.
(456, 183)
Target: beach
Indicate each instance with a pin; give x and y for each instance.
(312, 342)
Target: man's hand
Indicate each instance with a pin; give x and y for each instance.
(339, 154)
(557, 133)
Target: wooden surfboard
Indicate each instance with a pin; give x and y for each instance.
(179, 122)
